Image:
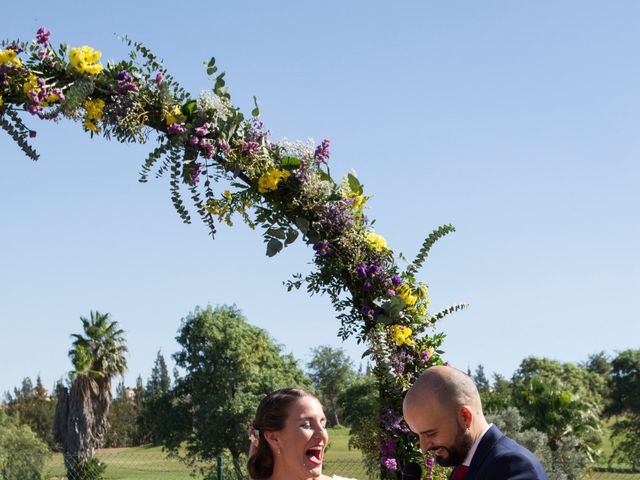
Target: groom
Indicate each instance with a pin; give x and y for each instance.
(443, 407)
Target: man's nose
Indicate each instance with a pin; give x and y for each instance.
(425, 444)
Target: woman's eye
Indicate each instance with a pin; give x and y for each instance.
(306, 425)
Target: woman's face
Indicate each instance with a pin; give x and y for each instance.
(302, 441)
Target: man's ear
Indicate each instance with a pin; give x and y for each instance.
(465, 417)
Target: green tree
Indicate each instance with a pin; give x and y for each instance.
(122, 420)
(481, 380)
(498, 397)
(331, 372)
(22, 453)
(624, 403)
(360, 405)
(560, 399)
(152, 400)
(229, 365)
(35, 408)
(81, 419)
(159, 382)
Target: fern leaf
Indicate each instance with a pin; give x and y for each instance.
(426, 246)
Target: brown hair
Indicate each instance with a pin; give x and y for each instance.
(271, 416)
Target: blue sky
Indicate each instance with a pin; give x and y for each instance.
(515, 121)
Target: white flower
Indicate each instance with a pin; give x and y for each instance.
(210, 102)
(297, 148)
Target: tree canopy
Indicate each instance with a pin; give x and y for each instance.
(228, 365)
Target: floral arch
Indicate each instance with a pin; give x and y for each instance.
(284, 189)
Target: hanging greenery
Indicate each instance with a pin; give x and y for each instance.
(223, 167)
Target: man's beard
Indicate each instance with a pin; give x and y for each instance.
(456, 452)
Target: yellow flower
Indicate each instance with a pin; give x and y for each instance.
(407, 295)
(359, 200)
(85, 60)
(94, 111)
(376, 242)
(269, 181)
(175, 115)
(401, 335)
(31, 85)
(227, 194)
(90, 125)
(1, 101)
(9, 57)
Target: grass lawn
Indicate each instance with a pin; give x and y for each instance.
(151, 463)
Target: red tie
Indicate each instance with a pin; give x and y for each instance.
(459, 472)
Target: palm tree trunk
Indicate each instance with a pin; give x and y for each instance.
(81, 420)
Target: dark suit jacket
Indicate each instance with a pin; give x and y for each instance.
(500, 458)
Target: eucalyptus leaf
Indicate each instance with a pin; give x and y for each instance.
(276, 232)
(273, 247)
(303, 224)
(292, 234)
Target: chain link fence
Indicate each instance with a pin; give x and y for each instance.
(152, 463)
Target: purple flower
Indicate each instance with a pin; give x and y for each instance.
(426, 355)
(195, 176)
(322, 151)
(32, 133)
(391, 292)
(202, 131)
(429, 461)
(323, 248)
(389, 463)
(224, 146)
(374, 269)
(193, 140)
(159, 78)
(368, 313)
(361, 270)
(42, 36)
(396, 280)
(388, 447)
(176, 129)
(367, 286)
(248, 147)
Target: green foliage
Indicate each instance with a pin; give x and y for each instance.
(560, 400)
(100, 350)
(331, 372)
(565, 462)
(625, 403)
(91, 469)
(22, 453)
(498, 397)
(229, 366)
(18, 131)
(123, 428)
(34, 407)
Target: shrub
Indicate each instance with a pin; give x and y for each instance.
(22, 453)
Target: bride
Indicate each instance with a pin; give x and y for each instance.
(288, 437)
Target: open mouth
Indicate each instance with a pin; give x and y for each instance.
(314, 455)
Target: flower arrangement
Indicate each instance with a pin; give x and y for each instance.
(284, 188)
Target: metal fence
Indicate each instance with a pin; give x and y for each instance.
(152, 463)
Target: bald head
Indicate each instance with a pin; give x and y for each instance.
(449, 387)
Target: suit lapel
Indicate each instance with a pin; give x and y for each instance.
(487, 443)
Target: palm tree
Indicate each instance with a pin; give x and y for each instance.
(81, 414)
